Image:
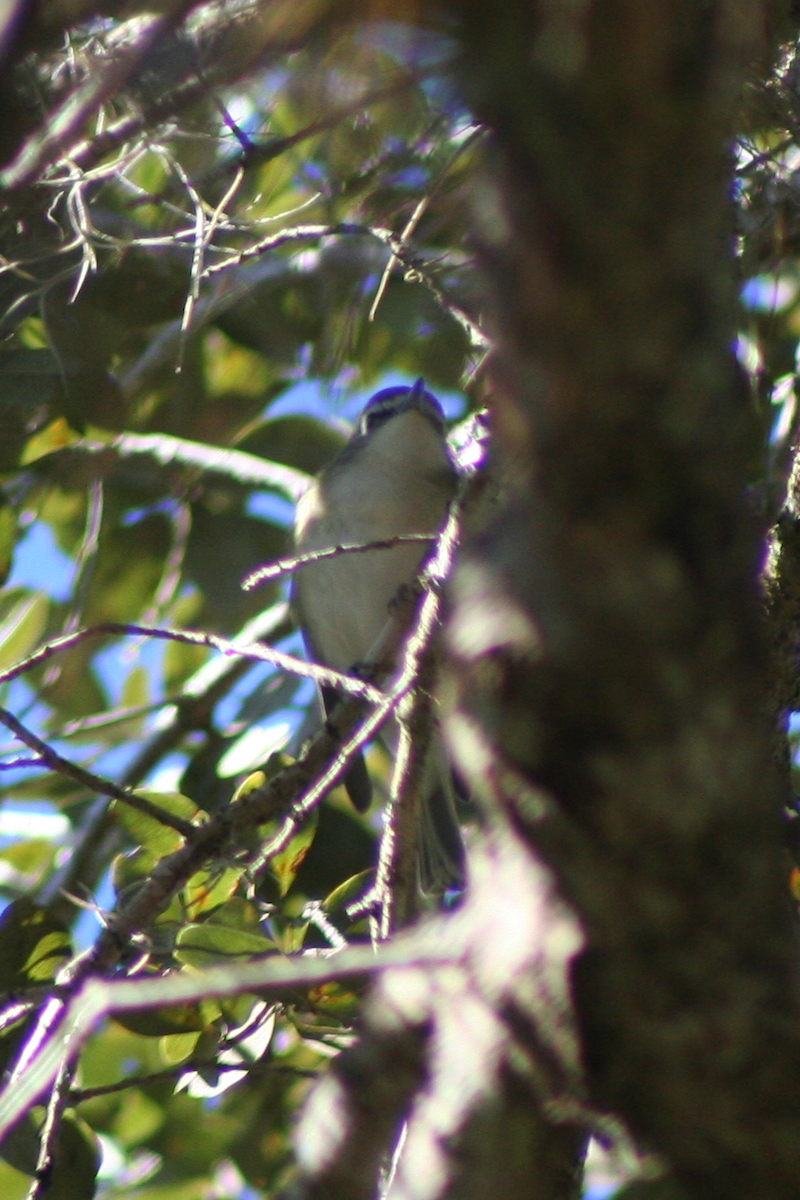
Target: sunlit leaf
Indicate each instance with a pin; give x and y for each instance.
(254, 745)
(8, 537)
(23, 864)
(177, 1047)
(288, 862)
(346, 893)
(147, 831)
(204, 944)
(208, 889)
(336, 1000)
(55, 436)
(22, 628)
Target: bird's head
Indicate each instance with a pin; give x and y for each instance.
(392, 402)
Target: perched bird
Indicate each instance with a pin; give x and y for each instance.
(394, 476)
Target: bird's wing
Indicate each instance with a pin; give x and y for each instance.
(356, 780)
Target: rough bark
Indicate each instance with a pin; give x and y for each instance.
(607, 629)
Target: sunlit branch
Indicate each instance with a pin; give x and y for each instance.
(285, 566)
(255, 651)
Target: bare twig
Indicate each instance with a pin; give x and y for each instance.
(285, 566)
(92, 782)
(309, 233)
(416, 217)
(379, 661)
(62, 126)
(255, 651)
(395, 887)
(253, 154)
(78, 1095)
(51, 1126)
(299, 233)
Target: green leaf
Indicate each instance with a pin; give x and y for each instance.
(8, 537)
(203, 945)
(22, 628)
(137, 1118)
(208, 889)
(163, 1022)
(33, 945)
(352, 889)
(24, 864)
(177, 1047)
(136, 689)
(181, 661)
(253, 746)
(250, 784)
(55, 436)
(14, 1185)
(130, 870)
(336, 1000)
(286, 864)
(238, 913)
(147, 831)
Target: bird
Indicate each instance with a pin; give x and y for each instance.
(395, 476)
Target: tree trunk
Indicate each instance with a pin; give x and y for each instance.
(607, 628)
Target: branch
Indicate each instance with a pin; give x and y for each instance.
(47, 143)
(99, 998)
(230, 648)
(92, 782)
(285, 566)
(98, 838)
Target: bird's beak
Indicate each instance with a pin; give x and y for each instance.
(418, 398)
(415, 397)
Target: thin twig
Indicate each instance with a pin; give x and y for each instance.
(89, 152)
(228, 827)
(417, 215)
(285, 566)
(379, 661)
(309, 233)
(288, 662)
(46, 143)
(300, 233)
(92, 782)
(395, 887)
(51, 1127)
(99, 998)
(99, 836)
(79, 1095)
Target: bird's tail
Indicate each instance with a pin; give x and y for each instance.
(442, 861)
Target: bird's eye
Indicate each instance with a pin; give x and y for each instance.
(374, 417)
